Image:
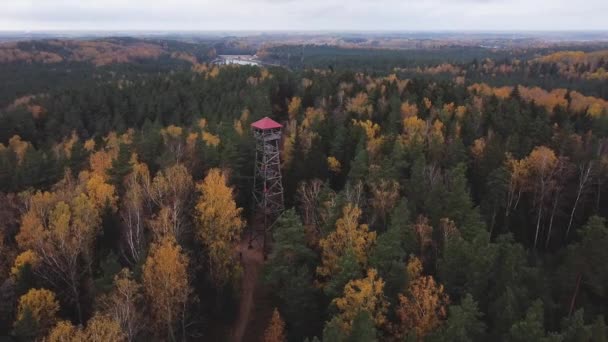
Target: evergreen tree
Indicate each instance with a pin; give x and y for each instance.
(584, 259)
(348, 269)
(333, 332)
(289, 272)
(78, 159)
(121, 167)
(599, 332)
(459, 206)
(464, 323)
(531, 328)
(574, 328)
(359, 165)
(392, 247)
(363, 329)
(149, 144)
(27, 327)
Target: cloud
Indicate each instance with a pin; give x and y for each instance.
(303, 15)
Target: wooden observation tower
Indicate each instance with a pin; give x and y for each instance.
(267, 185)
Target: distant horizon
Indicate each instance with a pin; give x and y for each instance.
(311, 30)
(311, 15)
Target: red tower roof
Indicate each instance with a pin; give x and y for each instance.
(266, 123)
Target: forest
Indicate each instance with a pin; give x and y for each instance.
(452, 194)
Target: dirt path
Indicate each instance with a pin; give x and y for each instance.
(252, 261)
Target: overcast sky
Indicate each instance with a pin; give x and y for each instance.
(304, 15)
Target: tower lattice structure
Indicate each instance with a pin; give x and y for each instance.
(267, 184)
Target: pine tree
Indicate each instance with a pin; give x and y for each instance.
(275, 332)
(121, 167)
(464, 323)
(359, 165)
(599, 331)
(26, 328)
(333, 332)
(363, 329)
(347, 270)
(531, 328)
(391, 250)
(149, 144)
(574, 328)
(289, 272)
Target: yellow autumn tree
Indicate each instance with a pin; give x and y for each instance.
(427, 103)
(240, 123)
(518, 181)
(294, 107)
(275, 332)
(543, 164)
(64, 148)
(478, 148)
(173, 137)
(385, 195)
(41, 306)
(211, 140)
(424, 305)
(373, 135)
(100, 162)
(424, 234)
(65, 331)
(415, 130)
(334, 164)
(89, 145)
(348, 234)
(312, 115)
(359, 105)
(29, 258)
(100, 328)
(436, 133)
(171, 191)
(413, 268)
(133, 213)
(122, 304)
(61, 229)
(102, 193)
(19, 147)
(219, 225)
(165, 280)
(364, 294)
(460, 112)
(289, 142)
(408, 110)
